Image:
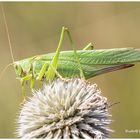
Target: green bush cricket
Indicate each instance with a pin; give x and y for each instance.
(85, 63)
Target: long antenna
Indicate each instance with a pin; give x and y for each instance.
(7, 32)
(3, 71)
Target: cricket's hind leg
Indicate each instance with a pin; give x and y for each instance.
(82, 75)
(43, 72)
(23, 80)
(50, 74)
(52, 69)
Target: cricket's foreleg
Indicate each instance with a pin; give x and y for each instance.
(32, 85)
(23, 93)
(23, 80)
(89, 47)
(27, 78)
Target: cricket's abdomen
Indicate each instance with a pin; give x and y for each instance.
(95, 62)
(68, 70)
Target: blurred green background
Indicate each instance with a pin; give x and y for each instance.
(35, 29)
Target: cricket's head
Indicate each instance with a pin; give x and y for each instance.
(22, 68)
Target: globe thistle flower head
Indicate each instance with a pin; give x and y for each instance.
(71, 108)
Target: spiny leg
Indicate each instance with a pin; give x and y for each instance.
(75, 53)
(50, 73)
(43, 72)
(32, 85)
(53, 65)
(23, 89)
(23, 93)
(23, 80)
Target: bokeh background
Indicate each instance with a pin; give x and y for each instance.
(35, 29)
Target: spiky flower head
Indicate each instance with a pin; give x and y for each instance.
(71, 108)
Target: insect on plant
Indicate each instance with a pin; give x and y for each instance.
(85, 63)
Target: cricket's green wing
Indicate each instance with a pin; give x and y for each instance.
(95, 62)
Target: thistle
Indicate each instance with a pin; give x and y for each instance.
(70, 108)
